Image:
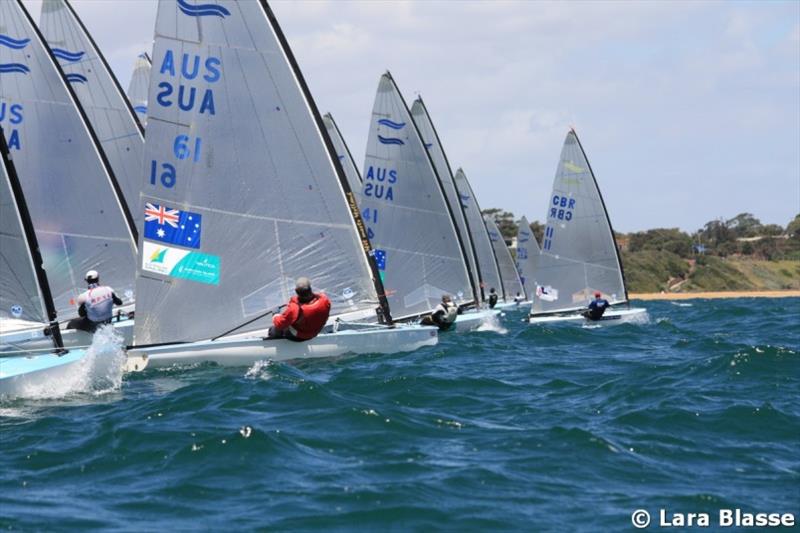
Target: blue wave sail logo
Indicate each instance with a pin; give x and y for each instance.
(66, 55)
(390, 140)
(76, 78)
(391, 124)
(140, 109)
(202, 10)
(6, 68)
(428, 145)
(15, 44)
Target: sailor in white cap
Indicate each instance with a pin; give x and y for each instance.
(95, 305)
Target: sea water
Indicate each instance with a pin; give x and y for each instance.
(513, 428)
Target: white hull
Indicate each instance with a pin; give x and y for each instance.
(32, 337)
(473, 319)
(514, 306)
(248, 350)
(19, 374)
(611, 317)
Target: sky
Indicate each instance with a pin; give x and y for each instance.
(688, 111)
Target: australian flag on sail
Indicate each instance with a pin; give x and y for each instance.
(172, 226)
(380, 259)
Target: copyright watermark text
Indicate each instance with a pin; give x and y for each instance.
(641, 519)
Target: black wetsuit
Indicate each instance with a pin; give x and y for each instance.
(492, 300)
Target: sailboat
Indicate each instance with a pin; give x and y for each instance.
(409, 221)
(579, 255)
(484, 252)
(80, 216)
(343, 153)
(24, 290)
(512, 291)
(527, 259)
(139, 84)
(419, 112)
(247, 194)
(107, 109)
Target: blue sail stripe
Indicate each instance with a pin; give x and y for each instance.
(390, 140)
(16, 44)
(391, 124)
(75, 77)
(14, 67)
(202, 10)
(67, 55)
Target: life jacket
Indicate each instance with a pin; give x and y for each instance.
(311, 318)
(450, 313)
(99, 303)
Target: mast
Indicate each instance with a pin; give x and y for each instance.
(33, 244)
(355, 213)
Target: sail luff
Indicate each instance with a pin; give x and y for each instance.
(349, 164)
(348, 195)
(459, 220)
(138, 87)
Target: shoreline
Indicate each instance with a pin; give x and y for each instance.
(713, 295)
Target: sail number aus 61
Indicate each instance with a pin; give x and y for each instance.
(184, 147)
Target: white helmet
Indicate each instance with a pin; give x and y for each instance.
(92, 275)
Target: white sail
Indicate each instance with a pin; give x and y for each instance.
(76, 204)
(343, 153)
(490, 272)
(139, 85)
(527, 257)
(509, 277)
(110, 114)
(243, 191)
(434, 146)
(579, 255)
(20, 295)
(404, 207)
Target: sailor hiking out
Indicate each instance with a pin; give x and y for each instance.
(443, 316)
(518, 299)
(95, 305)
(304, 317)
(597, 307)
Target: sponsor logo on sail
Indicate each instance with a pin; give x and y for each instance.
(390, 140)
(16, 311)
(547, 293)
(391, 124)
(19, 68)
(572, 167)
(66, 55)
(202, 10)
(180, 263)
(74, 77)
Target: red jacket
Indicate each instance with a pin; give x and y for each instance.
(305, 321)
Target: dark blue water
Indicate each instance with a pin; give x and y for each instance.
(536, 429)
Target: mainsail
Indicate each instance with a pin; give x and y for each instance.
(410, 223)
(579, 255)
(20, 295)
(490, 273)
(137, 90)
(80, 218)
(527, 257)
(243, 191)
(434, 146)
(508, 272)
(343, 153)
(110, 114)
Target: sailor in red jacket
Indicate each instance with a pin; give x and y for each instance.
(304, 317)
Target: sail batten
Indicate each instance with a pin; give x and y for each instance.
(67, 180)
(578, 255)
(251, 173)
(409, 221)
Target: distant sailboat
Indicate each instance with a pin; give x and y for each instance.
(509, 277)
(409, 221)
(343, 153)
(110, 114)
(527, 258)
(579, 255)
(490, 272)
(24, 292)
(81, 219)
(137, 90)
(246, 194)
